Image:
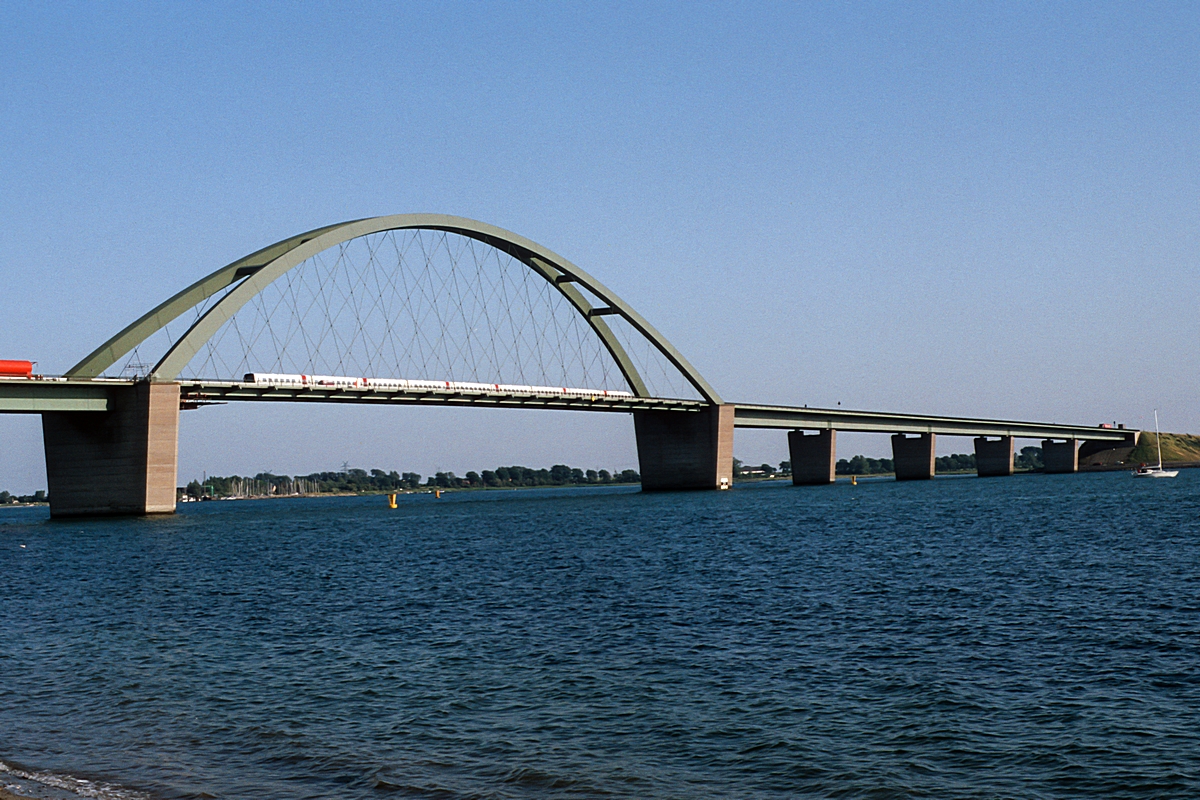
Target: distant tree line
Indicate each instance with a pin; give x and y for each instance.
(7, 499)
(360, 481)
(861, 465)
(1029, 459)
(558, 475)
(743, 470)
(959, 462)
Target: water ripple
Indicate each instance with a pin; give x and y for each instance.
(1028, 638)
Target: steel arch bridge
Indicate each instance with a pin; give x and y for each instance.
(251, 275)
(111, 441)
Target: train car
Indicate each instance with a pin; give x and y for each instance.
(289, 381)
(514, 388)
(333, 381)
(274, 379)
(387, 384)
(468, 386)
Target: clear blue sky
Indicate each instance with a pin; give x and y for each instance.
(976, 209)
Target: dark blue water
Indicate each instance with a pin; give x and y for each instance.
(1029, 637)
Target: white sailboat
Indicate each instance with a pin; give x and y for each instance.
(1144, 471)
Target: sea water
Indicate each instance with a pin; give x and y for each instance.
(1030, 637)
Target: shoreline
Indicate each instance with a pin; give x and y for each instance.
(1131, 467)
(25, 783)
(422, 490)
(430, 490)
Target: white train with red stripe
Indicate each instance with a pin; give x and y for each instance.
(286, 381)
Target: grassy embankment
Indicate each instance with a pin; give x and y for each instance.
(1177, 448)
(1181, 447)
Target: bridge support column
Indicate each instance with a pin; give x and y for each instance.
(120, 461)
(685, 450)
(913, 457)
(1060, 457)
(814, 457)
(993, 457)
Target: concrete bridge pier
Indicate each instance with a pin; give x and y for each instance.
(1060, 457)
(912, 458)
(993, 457)
(120, 461)
(685, 450)
(814, 457)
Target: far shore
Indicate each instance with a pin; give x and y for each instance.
(421, 490)
(1123, 467)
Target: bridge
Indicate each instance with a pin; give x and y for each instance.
(479, 316)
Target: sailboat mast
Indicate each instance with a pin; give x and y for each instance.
(1157, 438)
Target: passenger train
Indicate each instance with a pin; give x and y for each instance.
(399, 384)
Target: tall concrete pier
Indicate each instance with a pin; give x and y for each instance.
(994, 457)
(685, 450)
(120, 461)
(1060, 457)
(912, 457)
(814, 457)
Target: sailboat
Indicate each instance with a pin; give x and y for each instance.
(1144, 471)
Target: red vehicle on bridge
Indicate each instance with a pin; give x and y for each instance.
(16, 369)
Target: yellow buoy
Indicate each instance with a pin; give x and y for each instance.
(854, 480)
(437, 494)
(392, 500)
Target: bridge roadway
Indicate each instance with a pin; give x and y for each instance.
(57, 394)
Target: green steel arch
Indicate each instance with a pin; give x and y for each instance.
(258, 270)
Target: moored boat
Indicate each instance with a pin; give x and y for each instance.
(1145, 471)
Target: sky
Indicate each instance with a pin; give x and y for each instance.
(976, 209)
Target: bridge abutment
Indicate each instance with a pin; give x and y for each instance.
(1060, 457)
(120, 461)
(814, 457)
(912, 457)
(994, 457)
(1092, 447)
(685, 450)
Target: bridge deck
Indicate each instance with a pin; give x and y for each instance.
(220, 391)
(753, 416)
(56, 394)
(33, 396)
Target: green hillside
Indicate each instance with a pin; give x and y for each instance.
(1175, 447)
